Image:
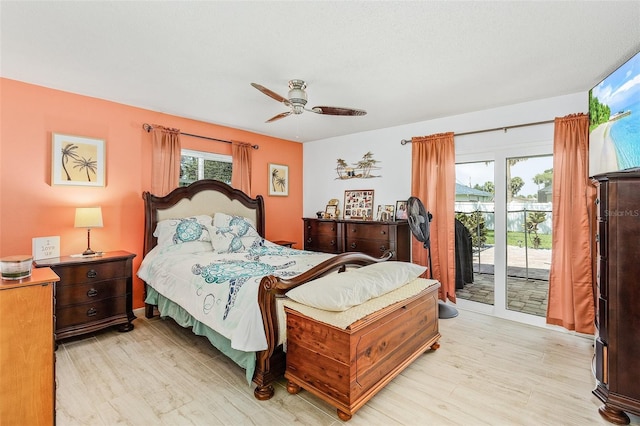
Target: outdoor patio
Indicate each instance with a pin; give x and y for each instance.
(527, 283)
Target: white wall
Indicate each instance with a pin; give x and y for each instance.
(320, 157)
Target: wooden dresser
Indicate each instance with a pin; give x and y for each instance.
(93, 292)
(27, 360)
(366, 236)
(617, 345)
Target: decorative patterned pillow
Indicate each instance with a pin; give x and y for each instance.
(233, 234)
(339, 292)
(177, 231)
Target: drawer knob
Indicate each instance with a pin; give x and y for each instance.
(383, 249)
(92, 293)
(92, 312)
(92, 273)
(333, 243)
(383, 232)
(353, 245)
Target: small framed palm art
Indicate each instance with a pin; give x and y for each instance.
(278, 180)
(77, 161)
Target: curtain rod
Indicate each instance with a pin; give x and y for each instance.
(148, 128)
(505, 128)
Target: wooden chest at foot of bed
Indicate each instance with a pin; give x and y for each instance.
(346, 367)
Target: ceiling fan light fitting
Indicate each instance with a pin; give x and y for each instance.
(297, 99)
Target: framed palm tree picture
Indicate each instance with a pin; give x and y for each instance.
(278, 180)
(77, 161)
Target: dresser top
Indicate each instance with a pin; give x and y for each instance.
(75, 260)
(38, 277)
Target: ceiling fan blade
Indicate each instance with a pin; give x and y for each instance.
(327, 110)
(271, 94)
(278, 117)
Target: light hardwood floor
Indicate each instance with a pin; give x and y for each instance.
(488, 371)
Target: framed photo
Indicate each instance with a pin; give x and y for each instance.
(358, 204)
(278, 180)
(401, 210)
(77, 161)
(385, 213)
(388, 211)
(330, 211)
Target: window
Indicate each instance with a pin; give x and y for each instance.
(196, 165)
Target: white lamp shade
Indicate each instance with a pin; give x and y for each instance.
(88, 217)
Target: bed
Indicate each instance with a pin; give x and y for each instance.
(195, 237)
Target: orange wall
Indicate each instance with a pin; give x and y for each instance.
(31, 207)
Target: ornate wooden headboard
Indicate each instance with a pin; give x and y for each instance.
(205, 196)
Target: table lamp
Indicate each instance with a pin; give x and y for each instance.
(88, 217)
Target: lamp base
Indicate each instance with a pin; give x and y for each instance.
(88, 252)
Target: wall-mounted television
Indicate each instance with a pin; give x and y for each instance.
(614, 120)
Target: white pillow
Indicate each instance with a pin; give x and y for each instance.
(339, 292)
(233, 234)
(176, 231)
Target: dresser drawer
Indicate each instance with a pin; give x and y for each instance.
(88, 292)
(375, 248)
(372, 231)
(602, 278)
(91, 272)
(89, 312)
(322, 243)
(601, 204)
(317, 227)
(602, 242)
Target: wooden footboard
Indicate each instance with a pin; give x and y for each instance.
(271, 363)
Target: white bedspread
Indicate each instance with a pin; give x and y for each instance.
(221, 290)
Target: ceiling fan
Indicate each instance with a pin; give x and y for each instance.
(297, 99)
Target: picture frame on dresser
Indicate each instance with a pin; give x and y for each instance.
(77, 161)
(331, 211)
(358, 204)
(401, 210)
(385, 212)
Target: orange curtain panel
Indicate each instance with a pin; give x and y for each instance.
(241, 166)
(165, 165)
(571, 295)
(433, 164)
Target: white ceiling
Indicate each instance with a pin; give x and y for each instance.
(403, 62)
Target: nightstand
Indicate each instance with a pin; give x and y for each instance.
(285, 243)
(93, 292)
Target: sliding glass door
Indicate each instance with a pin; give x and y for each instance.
(503, 209)
(475, 231)
(529, 182)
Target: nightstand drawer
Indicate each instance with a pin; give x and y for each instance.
(91, 272)
(88, 292)
(89, 312)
